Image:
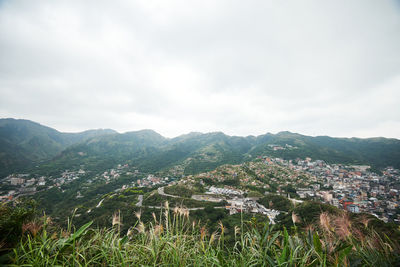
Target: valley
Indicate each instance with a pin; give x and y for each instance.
(221, 181)
(197, 169)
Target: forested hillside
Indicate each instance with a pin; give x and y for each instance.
(25, 144)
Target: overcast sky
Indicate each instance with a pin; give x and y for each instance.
(241, 67)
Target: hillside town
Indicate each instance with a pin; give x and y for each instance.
(354, 188)
(350, 187)
(16, 185)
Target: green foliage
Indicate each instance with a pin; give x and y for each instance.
(59, 203)
(132, 191)
(179, 190)
(24, 143)
(172, 239)
(308, 212)
(377, 152)
(231, 182)
(154, 199)
(12, 217)
(255, 194)
(276, 202)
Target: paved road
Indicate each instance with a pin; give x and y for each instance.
(161, 192)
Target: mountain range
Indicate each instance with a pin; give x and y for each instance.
(25, 144)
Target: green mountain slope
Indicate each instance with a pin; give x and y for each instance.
(103, 152)
(150, 152)
(377, 152)
(24, 143)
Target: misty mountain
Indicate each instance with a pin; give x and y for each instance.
(24, 143)
(377, 152)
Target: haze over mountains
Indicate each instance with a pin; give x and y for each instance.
(25, 144)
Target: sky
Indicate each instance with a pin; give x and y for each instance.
(240, 67)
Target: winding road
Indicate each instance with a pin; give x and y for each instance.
(160, 191)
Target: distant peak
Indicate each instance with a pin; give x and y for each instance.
(150, 131)
(287, 133)
(101, 130)
(191, 134)
(217, 133)
(195, 133)
(145, 132)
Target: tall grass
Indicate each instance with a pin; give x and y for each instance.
(172, 239)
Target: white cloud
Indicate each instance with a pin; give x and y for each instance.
(314, 67)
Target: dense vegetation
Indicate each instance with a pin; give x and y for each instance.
(172, 239)
(307, 234)
(24, 143)
(12, 218)
(184, 191)
(273, 201)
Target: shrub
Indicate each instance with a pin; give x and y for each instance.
(171, 239)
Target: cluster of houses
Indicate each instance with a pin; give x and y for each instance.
(275, 147)
(250, 205)
(115, 173)
(16, 185)
(225, 191)
(351, 187)
(151, 181)
(236, 202)
(354, 188)
(147, 181)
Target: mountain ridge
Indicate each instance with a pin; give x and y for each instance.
(193, 132)
(25, 143)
